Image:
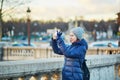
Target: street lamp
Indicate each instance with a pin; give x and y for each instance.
(28, 25)
(95, 31)
(118, 21)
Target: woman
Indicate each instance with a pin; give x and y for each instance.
(74, 54)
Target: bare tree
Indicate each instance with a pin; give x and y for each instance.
(5, 7)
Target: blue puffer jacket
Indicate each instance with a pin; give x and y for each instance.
(74, 54)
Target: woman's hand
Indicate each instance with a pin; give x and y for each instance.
(59, 33)
(54, 36)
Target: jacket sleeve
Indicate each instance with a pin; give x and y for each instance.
(55, 47)
(71, 52)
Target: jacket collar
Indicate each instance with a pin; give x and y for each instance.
(81, 42)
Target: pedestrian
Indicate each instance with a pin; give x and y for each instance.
(74, 54)
(110, 45)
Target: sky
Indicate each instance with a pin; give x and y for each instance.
(69, 9)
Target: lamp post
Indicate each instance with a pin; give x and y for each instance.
(118, 21)
(95, 31)
(28, 25)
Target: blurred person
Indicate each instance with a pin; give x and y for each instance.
(110, 45)
(74, 54)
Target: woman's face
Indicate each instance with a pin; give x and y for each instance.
(73, 38)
